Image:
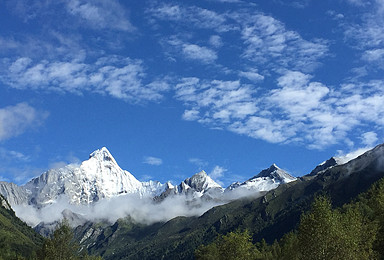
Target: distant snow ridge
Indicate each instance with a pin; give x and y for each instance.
(199, 185)
(266, 180)
(100, 178)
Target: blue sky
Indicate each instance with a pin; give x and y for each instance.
(174, 87)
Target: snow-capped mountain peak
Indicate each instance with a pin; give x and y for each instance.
(266, 180)
(201, 182)
(199, 185)
(102, 154)
(274, 172)
(98, 177)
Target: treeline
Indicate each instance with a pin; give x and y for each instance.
(354, 231)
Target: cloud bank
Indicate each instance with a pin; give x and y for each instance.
(141, 210)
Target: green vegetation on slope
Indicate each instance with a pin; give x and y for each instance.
(62, 246)
(351, 232)
(17, 239)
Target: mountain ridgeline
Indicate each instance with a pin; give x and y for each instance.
(99, 182)
(118, 217)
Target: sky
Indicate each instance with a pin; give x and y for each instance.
(175, 87)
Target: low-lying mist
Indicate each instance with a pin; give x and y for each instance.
(141, 210)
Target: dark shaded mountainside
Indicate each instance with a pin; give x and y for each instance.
(17, 239)
(268, 217)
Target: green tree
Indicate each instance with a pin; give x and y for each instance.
(317, 231)
(376, 203)
(62, 246)
(289, 245)
(332, 234)
(233, 246)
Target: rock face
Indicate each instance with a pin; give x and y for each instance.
(14, 194)
(323, 166)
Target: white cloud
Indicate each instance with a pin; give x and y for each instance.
(15, 120)
(357, 2)
(142, 210)
(10, 155)
(118, 77)
(270, 45)
(298, 110)
(252, 75)
(342, 158)
(215, 41)
(369, 139)
(152, 160)
(297, 96)
(196, 52)
(217, 173)
(191, 16)
(373, 55)
(20, 173)
(102, 14)
(366, 34)
(199, 163)
(217, 100)
(191, 115)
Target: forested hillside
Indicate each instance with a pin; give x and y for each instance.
(353, 231)
(17, 239)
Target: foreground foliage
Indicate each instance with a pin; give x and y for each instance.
(17, 239)
(353, 231)
(62, 246)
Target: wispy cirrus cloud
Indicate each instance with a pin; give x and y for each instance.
(152, 160)
(17, 119)
(270, 45)
(10, 155)
(100, 14)
(116, 76)
(193, 16)
(217, 174)
(366, 33)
